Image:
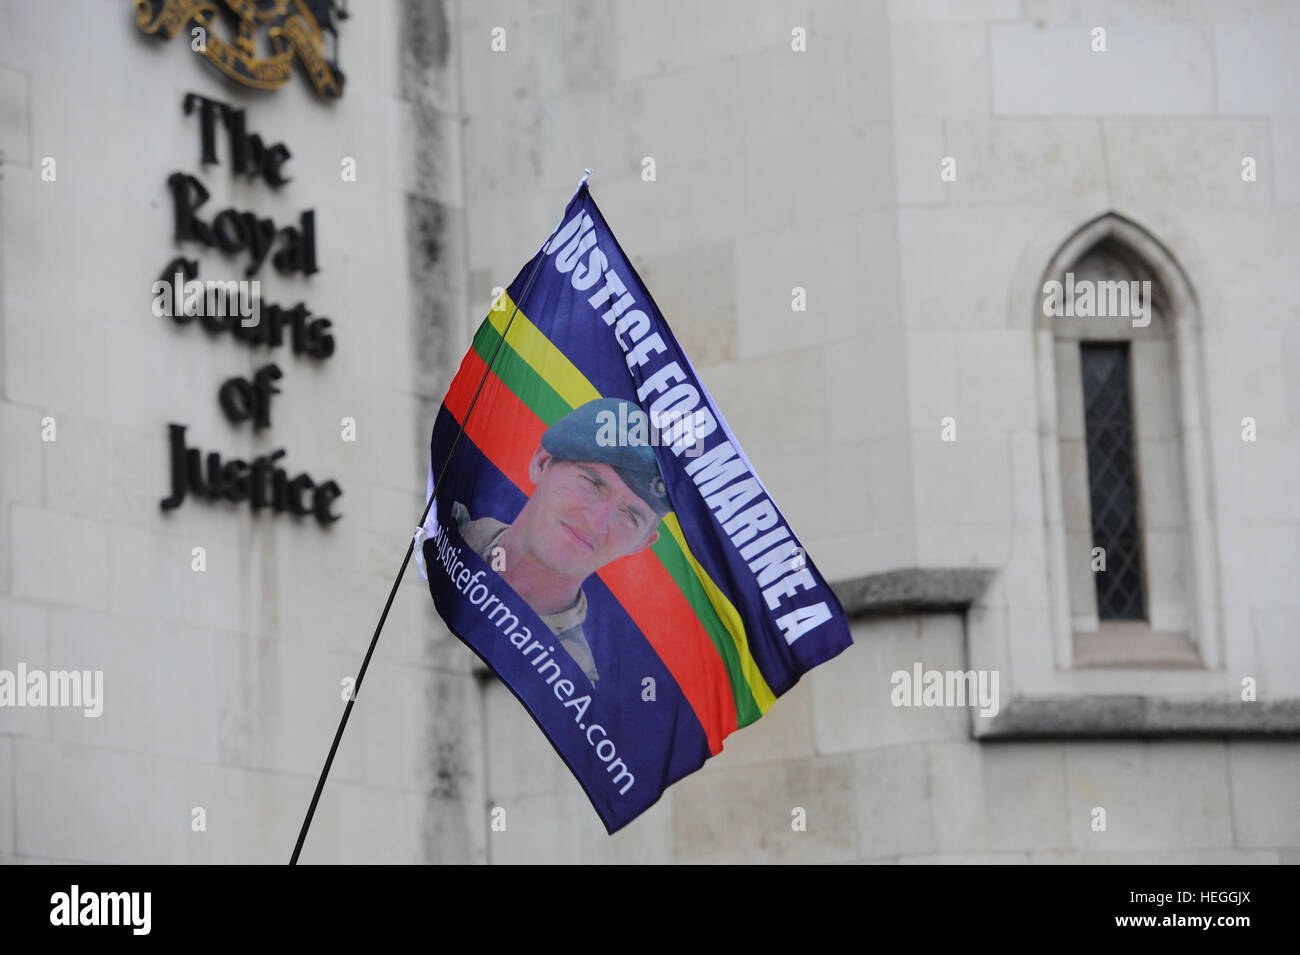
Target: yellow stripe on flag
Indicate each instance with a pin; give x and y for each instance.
(543, 357)
(730, 618)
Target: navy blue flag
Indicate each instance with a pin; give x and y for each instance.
(599, 537)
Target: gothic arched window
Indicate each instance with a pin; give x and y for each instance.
(1126, 452)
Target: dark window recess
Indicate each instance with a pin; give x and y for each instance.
(1112, 480)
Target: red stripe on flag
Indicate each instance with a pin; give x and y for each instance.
(507, 432)
(504, 428)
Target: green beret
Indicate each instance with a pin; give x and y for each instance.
(599, 431)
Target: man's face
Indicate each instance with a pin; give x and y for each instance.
(582, 516)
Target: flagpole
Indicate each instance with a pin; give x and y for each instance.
(410, 547)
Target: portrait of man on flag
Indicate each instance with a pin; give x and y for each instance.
(597, 536)
(595, 502)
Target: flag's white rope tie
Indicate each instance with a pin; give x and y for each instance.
(419, 554)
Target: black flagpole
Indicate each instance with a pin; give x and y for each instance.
(410, 548)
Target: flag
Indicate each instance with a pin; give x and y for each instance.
(600, 539)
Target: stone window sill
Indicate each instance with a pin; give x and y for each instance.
(1125, 643)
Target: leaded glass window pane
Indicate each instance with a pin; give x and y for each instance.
(1112, 479)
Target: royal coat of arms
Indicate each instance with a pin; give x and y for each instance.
(293, 28)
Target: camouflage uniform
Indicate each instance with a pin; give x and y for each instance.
(482, 535)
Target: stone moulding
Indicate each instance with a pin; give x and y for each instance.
(919, 590)
(914, 590)
(1138, 717)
